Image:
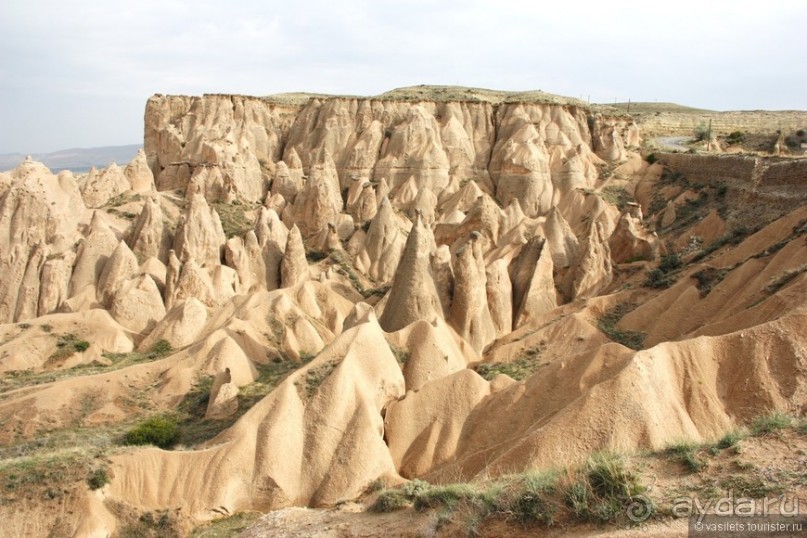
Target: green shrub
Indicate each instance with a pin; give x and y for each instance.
(664, 275)
(769, 424)
(81, 345)
(389, 500)
(686, 455)
(651, 158)
(159, 431)
(708, 278)
(519, 369)
(730, 439)
(98, 478)
(161, 348)
(607, 324)
(735, 137)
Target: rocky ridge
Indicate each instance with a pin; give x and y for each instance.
(383, 289)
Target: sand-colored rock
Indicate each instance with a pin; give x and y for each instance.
(594, 271)
(138, 305)
(413, 295)
(93, 254)
(383, 245)
(294, 266)
(669, 215)
(199, 234)
(533, 284)
(54, 283)
(469, 314)
(632, 241)
(138, 173)
(101, 187)
(149, 236)
(560, 239)
(180, 326)
(517, 251)
(120, 267)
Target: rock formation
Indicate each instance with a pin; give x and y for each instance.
(442, 284)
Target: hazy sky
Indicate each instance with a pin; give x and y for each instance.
(78, 73)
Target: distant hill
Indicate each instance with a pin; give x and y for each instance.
(76, 160)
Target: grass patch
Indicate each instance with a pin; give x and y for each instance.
(617, 196)
(785, 278)
(687, 455)
(519, 369)
(157, 524)
(753, 487)
(98, 478)
(15, 380)
(769, 424)
(226, 526)
(161, 431)
(730, 440)
(601, 490)
(607, 324)
(708, 278)
(345, 268)
(194, 429)
(234, 219)
(66, 346)
(315, 376)
(666, 273)
(401, 355)
(734, 237)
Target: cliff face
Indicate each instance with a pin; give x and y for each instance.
(235, 147)
(386, 289)
(684, 123)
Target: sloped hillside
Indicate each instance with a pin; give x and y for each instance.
(296, 301)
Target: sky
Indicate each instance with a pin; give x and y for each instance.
(77, 73)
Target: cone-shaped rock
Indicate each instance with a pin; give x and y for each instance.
(93, 254)
(120, 267)
(139, 174)
(137, 305)
(413, 295)
(594, 272)
(199, 233)
(560, 239)
(533, 285)
(294, 266)
(469, 309)
(99, 188)
(500, 296)
(149, 236)
(631, 240)
(379, 256)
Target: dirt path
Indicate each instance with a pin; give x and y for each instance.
(672, 143)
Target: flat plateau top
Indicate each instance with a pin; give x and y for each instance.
(440, 94)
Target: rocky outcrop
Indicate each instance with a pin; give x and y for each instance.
(469, 314)
(120, 267)
(149, 236)
(533, 284)
(594, 271)
(199, 235)
(631, 241)
(138, 305)
(294, 266)
(413, 295)
(383, 245)
(238, 136)
(100, 187)
(138, 173)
